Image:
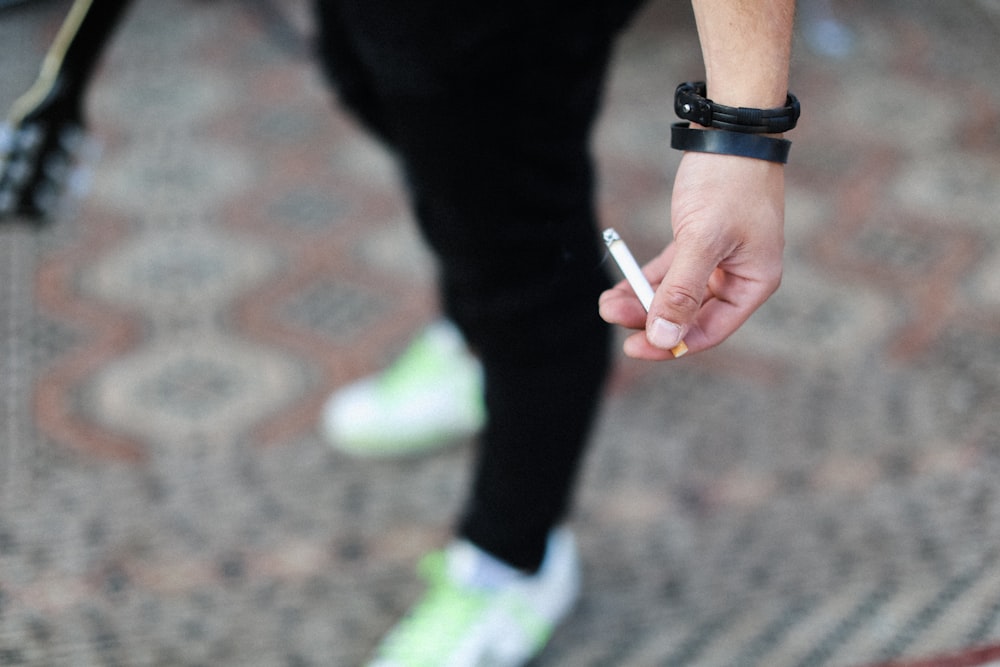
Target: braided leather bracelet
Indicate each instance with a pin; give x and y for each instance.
(691, 104)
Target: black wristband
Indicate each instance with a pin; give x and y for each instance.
(690, 104)
(723, 142)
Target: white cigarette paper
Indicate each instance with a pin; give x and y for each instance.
(633, 274)
(626, 262)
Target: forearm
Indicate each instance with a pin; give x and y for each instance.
(746, 45)
(727, 212)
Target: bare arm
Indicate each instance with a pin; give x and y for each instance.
(727, 212)
(746, 46)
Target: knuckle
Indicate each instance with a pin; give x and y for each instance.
(683, 299)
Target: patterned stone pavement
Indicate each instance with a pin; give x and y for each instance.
(818, 492)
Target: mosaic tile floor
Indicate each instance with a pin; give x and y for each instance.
(818, 492)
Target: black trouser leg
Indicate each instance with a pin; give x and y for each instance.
(490, 114)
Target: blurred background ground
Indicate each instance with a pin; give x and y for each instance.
(819, 491)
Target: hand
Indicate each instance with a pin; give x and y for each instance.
(725, 261)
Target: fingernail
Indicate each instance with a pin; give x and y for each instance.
(663, 334)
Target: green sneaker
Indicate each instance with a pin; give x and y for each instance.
(430, 396)
(460, 624)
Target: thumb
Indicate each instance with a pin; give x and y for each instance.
(679, 296)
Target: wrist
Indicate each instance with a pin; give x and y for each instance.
(747, 132)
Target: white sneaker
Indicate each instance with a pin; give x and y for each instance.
(461, 624)
(430, 396)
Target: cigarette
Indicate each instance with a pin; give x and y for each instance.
(633, 274)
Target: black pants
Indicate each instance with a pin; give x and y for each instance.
(489, 105)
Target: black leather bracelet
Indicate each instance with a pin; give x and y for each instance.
(690, 104)
(724, 142)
